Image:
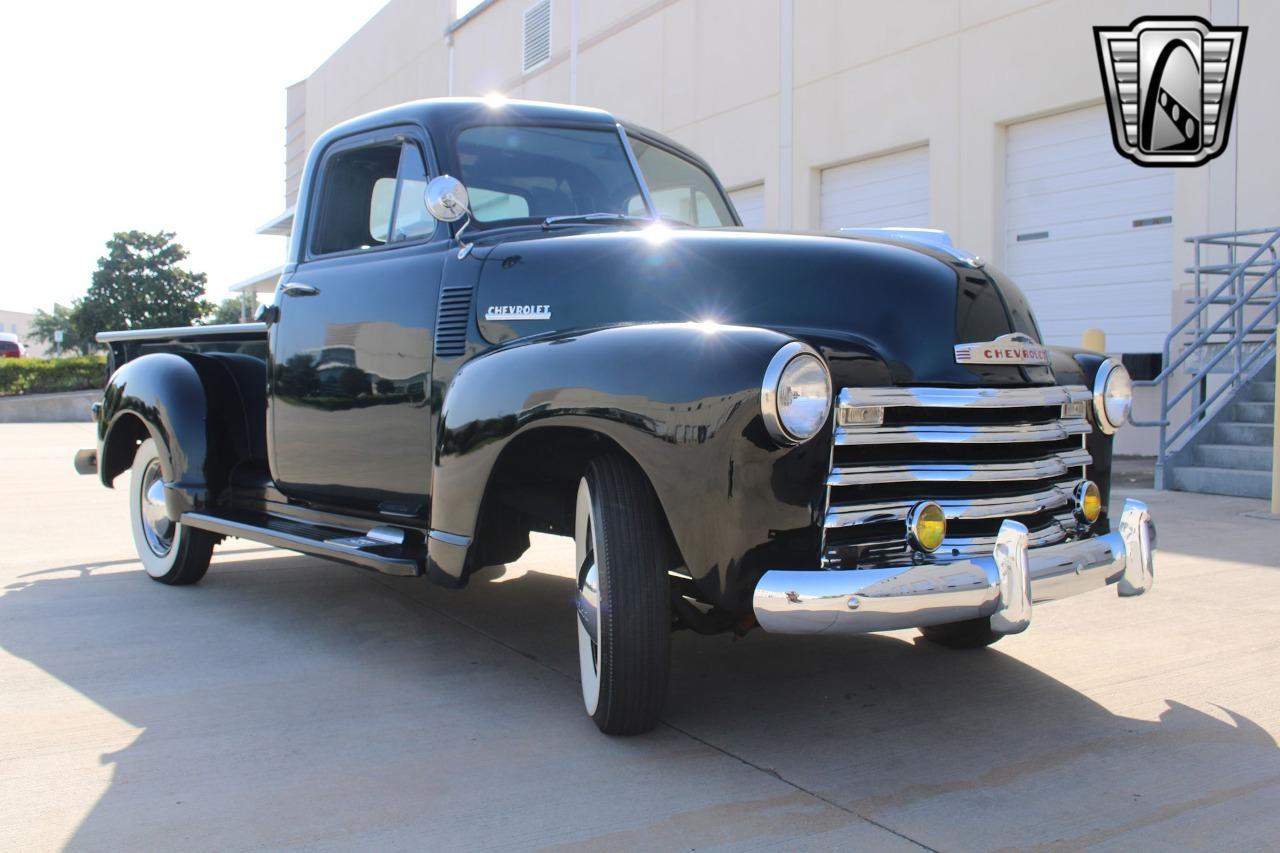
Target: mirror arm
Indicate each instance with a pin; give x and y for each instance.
(464, 248)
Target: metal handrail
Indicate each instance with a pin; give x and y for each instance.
(1211, 312)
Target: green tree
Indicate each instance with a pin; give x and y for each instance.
(46, 325)
(138, 285)
(229, 310)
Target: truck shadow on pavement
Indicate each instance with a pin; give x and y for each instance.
(287, 701)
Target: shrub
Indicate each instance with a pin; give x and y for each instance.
(44, 375)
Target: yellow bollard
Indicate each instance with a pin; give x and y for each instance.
(1094, 339)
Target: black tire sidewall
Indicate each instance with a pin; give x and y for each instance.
(635, 614)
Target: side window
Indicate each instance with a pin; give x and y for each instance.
(680, 190)
(412, 220)
(371, 196)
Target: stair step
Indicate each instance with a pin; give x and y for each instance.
(1239, 432)
(1254, 412)
(1261, 391)
(1222, 481)
(1237, 456)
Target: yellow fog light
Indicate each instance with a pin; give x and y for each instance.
(1088, 502)
(926, 526)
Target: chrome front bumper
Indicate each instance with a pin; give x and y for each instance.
(1001, 587)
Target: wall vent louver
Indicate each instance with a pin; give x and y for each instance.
(537, 35)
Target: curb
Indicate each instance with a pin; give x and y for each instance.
(62, 407)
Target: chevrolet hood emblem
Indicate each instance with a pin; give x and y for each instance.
(1015, 348)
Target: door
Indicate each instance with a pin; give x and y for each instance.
(879, 192)
(749, 202)
(351, 424)
(1088, 234)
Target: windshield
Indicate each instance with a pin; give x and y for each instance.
(681, 191)
(526, 174)
(522, 175)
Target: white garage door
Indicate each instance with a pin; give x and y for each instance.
(749, 202)
(1089, 235)
(880, 192)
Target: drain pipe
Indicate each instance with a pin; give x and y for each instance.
(786, 107)
(573, 52)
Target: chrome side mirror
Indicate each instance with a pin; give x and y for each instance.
(446, 199)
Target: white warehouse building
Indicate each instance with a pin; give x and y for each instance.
(985, 118)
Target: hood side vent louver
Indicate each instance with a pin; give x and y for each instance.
(452, 320)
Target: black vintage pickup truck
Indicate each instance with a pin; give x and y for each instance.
(500, 318)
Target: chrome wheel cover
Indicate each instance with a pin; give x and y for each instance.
(587, 598)
(156, 526)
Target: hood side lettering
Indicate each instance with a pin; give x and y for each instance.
(518, 312)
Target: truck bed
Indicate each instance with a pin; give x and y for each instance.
(244, 338)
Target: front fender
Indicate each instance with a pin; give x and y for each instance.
(1076, 366)
(683, 400)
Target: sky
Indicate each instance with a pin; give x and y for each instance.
(153, 116)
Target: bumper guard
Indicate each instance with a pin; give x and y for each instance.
(1001, 587)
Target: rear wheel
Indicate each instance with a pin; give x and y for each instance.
(624, 609)
(172, 553)
(973, 634)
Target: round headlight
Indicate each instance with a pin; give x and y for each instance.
(1112, 396)
(795, 397)
(926, 526)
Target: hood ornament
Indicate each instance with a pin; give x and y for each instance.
(1014, 348)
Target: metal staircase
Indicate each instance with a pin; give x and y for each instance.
(1217, 389)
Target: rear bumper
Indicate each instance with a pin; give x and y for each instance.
(1001, 587)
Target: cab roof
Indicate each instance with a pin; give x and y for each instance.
(442, 117)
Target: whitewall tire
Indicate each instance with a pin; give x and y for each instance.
(171, 553)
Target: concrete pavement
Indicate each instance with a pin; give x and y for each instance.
(288, 702)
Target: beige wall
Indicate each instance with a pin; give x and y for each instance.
(868, 78)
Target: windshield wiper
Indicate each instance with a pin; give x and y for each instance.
(595, 218)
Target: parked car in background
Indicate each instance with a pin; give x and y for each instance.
(11, 347)
(505, 319)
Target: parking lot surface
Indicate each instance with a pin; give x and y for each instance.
(286, 702)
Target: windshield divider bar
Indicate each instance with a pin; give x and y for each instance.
(635, 167)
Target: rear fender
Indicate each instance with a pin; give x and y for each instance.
(199, 410)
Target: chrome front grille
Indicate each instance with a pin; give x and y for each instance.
(983, 454)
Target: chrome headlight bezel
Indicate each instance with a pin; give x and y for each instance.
(916, 516)
(771, 407)
(1111, 372)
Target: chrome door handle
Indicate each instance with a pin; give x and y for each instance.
(297, 288)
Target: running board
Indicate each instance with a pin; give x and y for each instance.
(373, 550)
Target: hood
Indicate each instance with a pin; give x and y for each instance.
(881, 311)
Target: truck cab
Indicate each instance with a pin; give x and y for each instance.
(505, 318)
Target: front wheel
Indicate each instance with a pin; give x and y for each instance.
(623, 603)
(172, 553)
(973, 634)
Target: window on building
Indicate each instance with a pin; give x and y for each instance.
(680, 190)
(371, 196)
